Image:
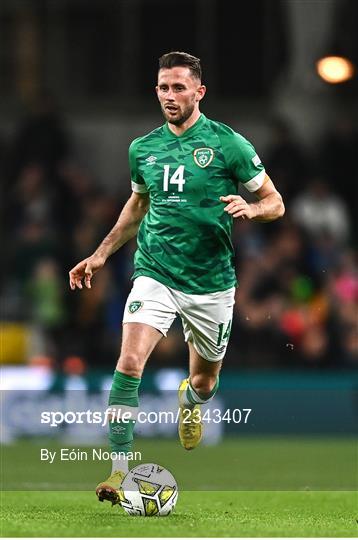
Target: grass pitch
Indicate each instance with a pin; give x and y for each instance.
(203, 514)
(299, 487)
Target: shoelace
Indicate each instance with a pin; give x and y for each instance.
(190, 427)
(117, 475)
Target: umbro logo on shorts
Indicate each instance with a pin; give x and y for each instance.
(134, 306)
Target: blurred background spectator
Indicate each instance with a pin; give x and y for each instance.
(41, 137)
(65, 178)
(321, 212)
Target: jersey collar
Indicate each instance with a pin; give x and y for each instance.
(189, 132)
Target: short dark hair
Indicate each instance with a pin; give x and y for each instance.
(176, 58)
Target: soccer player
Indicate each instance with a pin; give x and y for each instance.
(185, 176)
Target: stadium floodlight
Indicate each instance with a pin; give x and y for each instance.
(335, 69)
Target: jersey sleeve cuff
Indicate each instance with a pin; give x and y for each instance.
(256, 182)
(139, 188)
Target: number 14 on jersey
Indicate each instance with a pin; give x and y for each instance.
(176, 178)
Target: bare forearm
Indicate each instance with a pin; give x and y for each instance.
(117, 237)
(269, 208)
(126, 227)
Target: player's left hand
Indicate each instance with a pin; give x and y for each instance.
(238, 207)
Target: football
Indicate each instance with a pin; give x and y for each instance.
(148, 490)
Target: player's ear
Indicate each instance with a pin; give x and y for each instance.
(200, 93)
(157, 90)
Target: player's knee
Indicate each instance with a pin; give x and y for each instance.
(203, 383)
(130, 364)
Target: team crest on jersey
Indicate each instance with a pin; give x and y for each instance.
(134, 306)
(203, 156)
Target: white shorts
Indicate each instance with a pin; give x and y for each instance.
(206, 318)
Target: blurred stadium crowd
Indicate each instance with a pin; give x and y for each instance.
(296, 304)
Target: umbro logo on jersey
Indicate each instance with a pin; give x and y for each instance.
(151, 160)
(203, 156)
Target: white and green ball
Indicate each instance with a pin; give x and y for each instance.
(148, 490)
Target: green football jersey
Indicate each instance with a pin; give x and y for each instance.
(184, 241)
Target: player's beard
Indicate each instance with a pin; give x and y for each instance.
(181, 116)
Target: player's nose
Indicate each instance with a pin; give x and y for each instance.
(170, 94)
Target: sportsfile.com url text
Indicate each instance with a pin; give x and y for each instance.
(214, 416)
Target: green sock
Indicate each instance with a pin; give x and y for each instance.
(124, 392)
(195, 398)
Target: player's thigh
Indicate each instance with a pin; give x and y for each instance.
(207, 323)
(138, 341)
(148, 314)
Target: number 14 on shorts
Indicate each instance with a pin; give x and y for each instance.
(224, 332)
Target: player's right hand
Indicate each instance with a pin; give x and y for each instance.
(84, 270)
